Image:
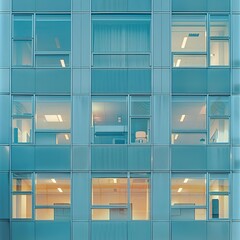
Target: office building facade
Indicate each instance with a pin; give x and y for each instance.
(119, 119)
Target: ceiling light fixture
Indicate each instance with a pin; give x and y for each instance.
(53, 180)
(185, 180)
(66, 136)
(182, 118)
(60, 190)
(180, 189)
(176, 137)
(62, 63)
(184, 42)
(178, 62)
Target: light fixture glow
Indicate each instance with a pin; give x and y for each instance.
(114, 180)
(59, 118)
(180, 189)
(62, 63)
(60, 190)
(176, 137)
(53, 180)
(182, 118)
(66, 136)
(51, 118)
(178, 62)
(184, 42)
(185, 180)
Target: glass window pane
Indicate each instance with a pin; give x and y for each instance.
(188, 33)
(219, 55)
(189, 113)
(22, 27)
(121, 33)
(189, 138)
(219, 106)
(219, 206)
(219, 131)
(219, 183)
(53, 113)
(110, 214)
(219, 26)
(189, 61)
(182, 213)
(22, 105)
(21, 130)
(109, 191)
(53, 138)
(140, 130)
(22, 53)
(109, 120)
(56, 60)
(58, 213)
(140, 106)
(53, 33)
(53, 189)
(139, 198)
(21, 182)
(22, 206)
(188, 190)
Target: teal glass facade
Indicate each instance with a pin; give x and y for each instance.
(119, 119)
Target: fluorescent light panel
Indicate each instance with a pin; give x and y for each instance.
(62, 63)
(53, 180)
(180, 189)
(178, 62)
(66, 136)
(176, 137)
(182, 118)
(185, 180)
(53, 118)
(60, 190)
(184, 42)
(115, 180)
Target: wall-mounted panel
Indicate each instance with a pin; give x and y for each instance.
(218, 230)
(189, 158)
(4, 158)
(188, 230)
(23, 230)
(53, 158)
(23, 158)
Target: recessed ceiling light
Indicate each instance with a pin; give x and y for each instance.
(62, 63)
(184, 42)
(185, 180)
(182, 118)
(53, 180)
(176, 137)
(60, 190)
(66, 136)
(180, 189)
(178, 62)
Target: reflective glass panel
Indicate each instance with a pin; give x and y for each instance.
(188, 189)
(21, 182)
(189, 113)
(189, 61)
(22, 206)
(219, 131)
(22, 105)
(140, 106)
(189, 33)
(109, 191)
(219, 206)
(140, 198)
(22, 53)
(53, 33)
(219, 106)
(109, 120)
(189, 138)
(22, 27)
(140, 130)
(219, 26)
(21, 130)
(53, 189)
(219, 183)
(219, 53)
(53, 113)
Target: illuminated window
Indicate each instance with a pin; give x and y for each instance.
(121, 198)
